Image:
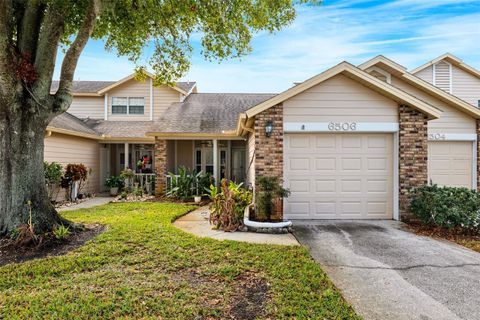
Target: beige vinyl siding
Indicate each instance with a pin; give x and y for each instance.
(67, 149)
(466, 86)
(87, 107)
(426, 74)
(163, 97)
(451, 120)
(185, 153)
(340, 99)
(251, 160)
(131, 88)
(442, 78)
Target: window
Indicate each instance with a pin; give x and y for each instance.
(478, 103)
(119, 105)
(136, 105)
(124, 105)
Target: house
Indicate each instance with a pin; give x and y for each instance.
(350, 143)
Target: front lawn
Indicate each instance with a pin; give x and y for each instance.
(143, 267)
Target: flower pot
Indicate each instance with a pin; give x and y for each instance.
(277, 209)
(114, 191)
(197, 199)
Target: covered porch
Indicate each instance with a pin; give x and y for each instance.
(222, 158)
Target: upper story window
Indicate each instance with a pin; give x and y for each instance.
(128, 105)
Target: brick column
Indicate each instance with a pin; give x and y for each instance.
(413, 154)
(269, 150)
(478, 154)
(160, 166)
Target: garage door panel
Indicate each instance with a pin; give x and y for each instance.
(325, 164)
(299, 186)
(325, 143)
(351, 163)
(326, 185)
(351, 178)
(450, 163)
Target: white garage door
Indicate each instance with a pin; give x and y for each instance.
(339, 176)
(450, 163)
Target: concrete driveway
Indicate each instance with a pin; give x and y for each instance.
(388, 273)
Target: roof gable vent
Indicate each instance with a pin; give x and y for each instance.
(442, 76)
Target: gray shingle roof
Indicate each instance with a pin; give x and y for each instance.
(68, 121)
(121, 129)
(94, 86)
(84, 86)
(207, 112)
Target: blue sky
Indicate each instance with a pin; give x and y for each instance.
(411, 32)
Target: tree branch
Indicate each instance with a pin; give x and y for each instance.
(6, 54)
(29, 28)
(69, 64)
(48, 41)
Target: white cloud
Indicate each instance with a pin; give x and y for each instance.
(408, 31)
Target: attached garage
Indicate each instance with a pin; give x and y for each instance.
(339, 175)
(451, 163)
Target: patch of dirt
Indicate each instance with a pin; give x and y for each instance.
(10, 253)
(457, 235)
(247, 301)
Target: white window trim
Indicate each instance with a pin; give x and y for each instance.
(128, 107)
(379, 70)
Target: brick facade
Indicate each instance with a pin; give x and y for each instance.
(413, 154)
(269, 150)
(478, 154)
(160, 165)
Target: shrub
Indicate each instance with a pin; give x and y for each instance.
(114, 182)
(184, 184)
(61, 232)
(269, 190)
(228, 205)
(447, 207)
(53, 176)
(74, 172)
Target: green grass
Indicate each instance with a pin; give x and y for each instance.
(143, 267)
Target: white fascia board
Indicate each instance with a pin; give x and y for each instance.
(348, 126)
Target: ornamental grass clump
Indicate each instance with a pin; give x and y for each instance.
(447, 207)
(228, 205)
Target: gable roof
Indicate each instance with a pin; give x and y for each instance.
(400, 71)
(358, 75)
(98, 88)
(451, 59)
(69, 124)
(184, 87)
(206, 113)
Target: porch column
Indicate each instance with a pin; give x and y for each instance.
(160, 166)
(126, 156)
(215, 161)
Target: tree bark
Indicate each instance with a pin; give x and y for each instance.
(22, 183)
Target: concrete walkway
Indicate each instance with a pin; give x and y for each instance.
(92, 202)
(386, 272)
(196, 222)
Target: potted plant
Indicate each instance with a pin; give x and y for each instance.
(269, 199)
(114, 183)
(128, 175)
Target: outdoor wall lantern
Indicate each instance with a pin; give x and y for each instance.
(269, 128)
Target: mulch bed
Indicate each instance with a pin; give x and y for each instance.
(457, 235)
(204, 202)
(10, 253)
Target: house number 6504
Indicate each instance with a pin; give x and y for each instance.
(342, 126)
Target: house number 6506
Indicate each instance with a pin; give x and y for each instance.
(342, 126)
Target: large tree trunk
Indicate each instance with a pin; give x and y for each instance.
(22, 185)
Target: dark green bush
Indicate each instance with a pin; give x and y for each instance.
(447, 207)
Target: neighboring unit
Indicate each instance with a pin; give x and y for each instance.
(350, 143)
